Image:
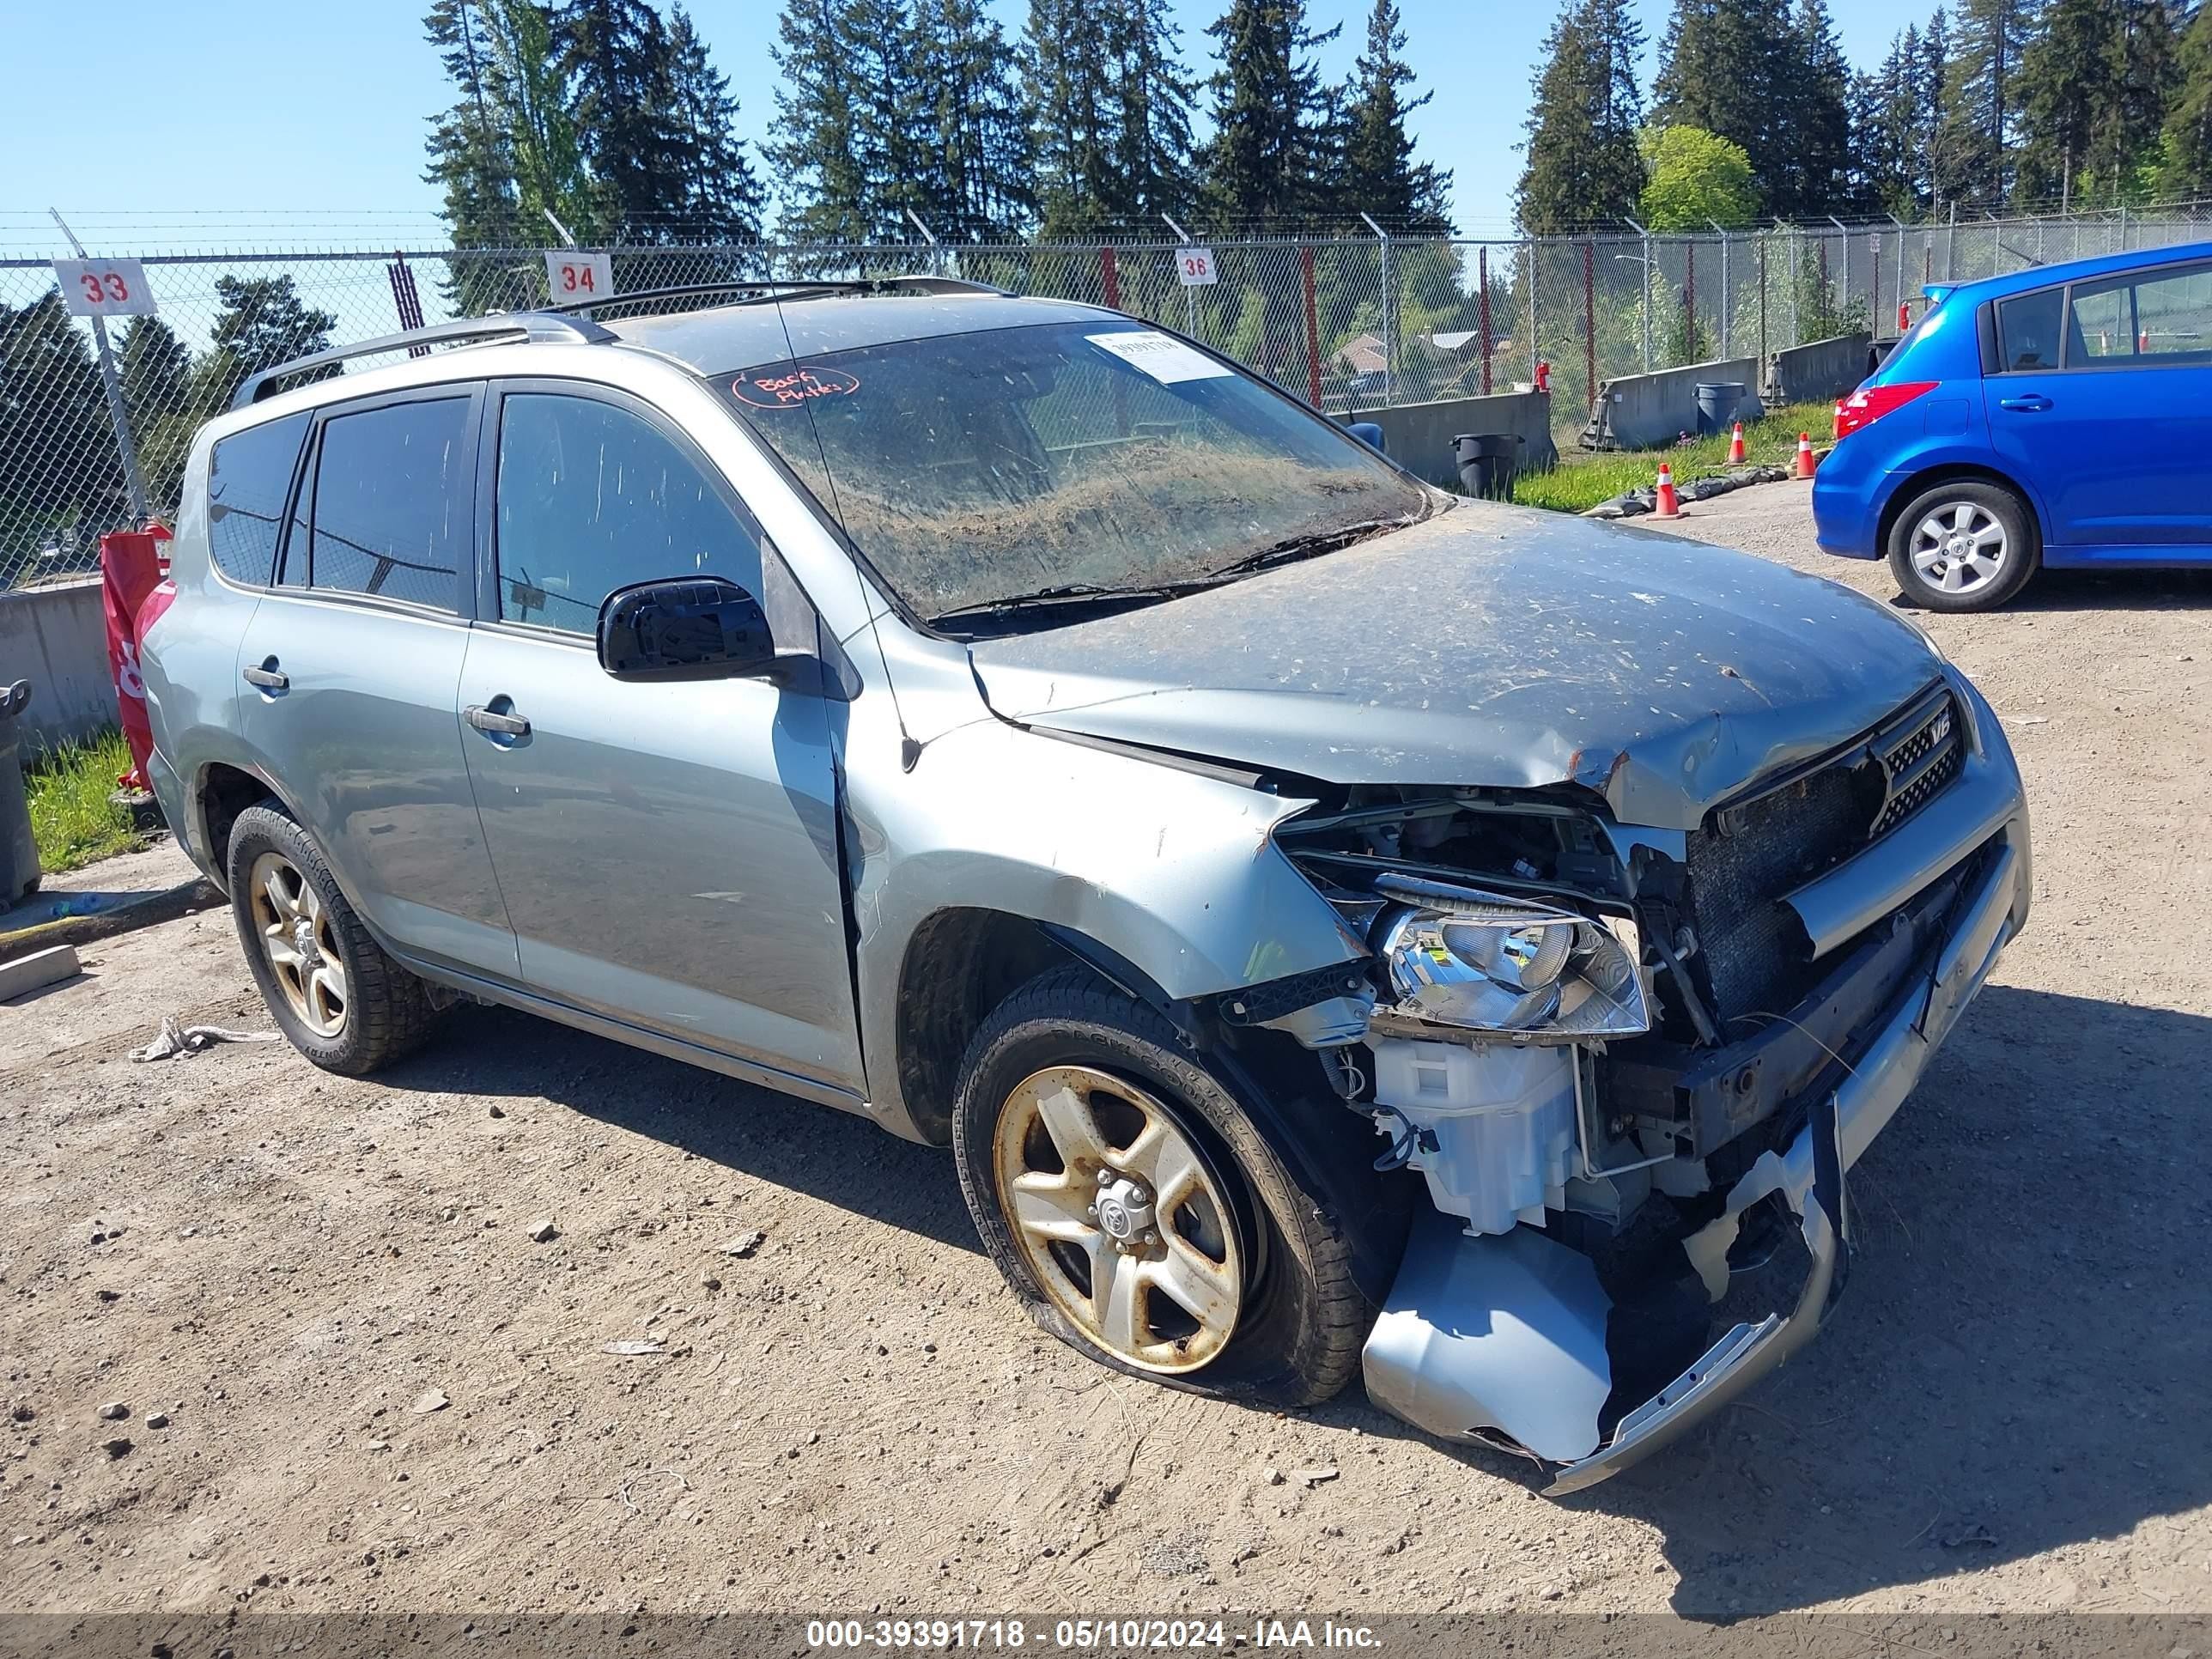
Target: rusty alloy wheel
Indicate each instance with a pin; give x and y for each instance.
(1121, 1218)
(294, 931)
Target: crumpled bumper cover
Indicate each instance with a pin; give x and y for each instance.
(1491, 1337)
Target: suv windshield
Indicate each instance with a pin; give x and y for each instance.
(1063, 460)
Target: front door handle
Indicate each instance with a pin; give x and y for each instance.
(504, 726)
(2034, 404)
(266, 675)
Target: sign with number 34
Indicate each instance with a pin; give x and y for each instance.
(572, 276)
(104, 288)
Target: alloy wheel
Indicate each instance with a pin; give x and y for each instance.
(1959, 547)
(1123, 1220)
(296, 940)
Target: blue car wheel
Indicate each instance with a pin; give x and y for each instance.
(1964, 545)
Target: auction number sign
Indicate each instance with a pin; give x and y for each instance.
(573, 277)
(1196, 266)
(104, 288)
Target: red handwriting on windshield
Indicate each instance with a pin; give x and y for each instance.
(788, 388)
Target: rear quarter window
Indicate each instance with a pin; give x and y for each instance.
(2028, 330)
(249, 476)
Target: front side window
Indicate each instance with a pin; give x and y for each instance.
(2027, 330)
(387, 521)
(969, 468)
(593, 497)
(249, 474)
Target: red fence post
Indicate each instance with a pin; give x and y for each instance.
(1482, 280)
(1110, 279)
(1589, 324)
(1313, 326)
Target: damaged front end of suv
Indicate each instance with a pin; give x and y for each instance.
(1631, 1063)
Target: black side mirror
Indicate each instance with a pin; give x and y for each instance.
(689, 628)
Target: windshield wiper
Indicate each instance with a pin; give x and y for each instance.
(1291, 549)
(1071, 594)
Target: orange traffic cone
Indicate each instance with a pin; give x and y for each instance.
(1664, 504)
(1804, 454)
(1736, 446)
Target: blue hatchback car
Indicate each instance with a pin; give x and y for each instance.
(2059, 415)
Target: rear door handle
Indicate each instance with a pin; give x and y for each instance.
(504, 726)
(266, 675)
(2034, 403)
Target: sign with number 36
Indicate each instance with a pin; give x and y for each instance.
(104, 288)
(572, 276)
(1196, 266)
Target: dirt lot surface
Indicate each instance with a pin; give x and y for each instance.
(384, 1390)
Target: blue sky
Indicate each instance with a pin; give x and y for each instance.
(251, 123)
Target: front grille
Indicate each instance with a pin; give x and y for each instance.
(1756, 957)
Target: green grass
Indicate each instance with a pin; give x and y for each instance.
(71, 816)
(1583, 480)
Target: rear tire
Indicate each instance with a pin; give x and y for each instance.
(1965, 545)
(340, 1000)
(1232, 1221)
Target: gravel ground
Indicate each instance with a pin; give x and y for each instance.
(386, 1385)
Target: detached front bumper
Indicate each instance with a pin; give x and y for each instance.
(1505, 1335)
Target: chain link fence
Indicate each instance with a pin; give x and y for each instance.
(1350, 325)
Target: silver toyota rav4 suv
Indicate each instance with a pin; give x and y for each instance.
(1336, 926)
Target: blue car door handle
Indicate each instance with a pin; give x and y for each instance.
(2034, 403)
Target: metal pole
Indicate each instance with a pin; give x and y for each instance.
(1189, 298)
(1901, 301)
(1643, 304)
(1843, 299)
(112, 384)
(1389, 315)
(567, 237)
(1716, 225)
(1482, 284)
(1529, 276)
(1690, 295)
(1951, 244)
(1589, 324)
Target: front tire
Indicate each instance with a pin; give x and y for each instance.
(1139, 1212)
(1964, 546)
(341, 1000)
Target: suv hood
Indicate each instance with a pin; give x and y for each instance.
(1490, 647)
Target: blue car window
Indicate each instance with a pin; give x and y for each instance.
(2027, 330)
(2173, 315)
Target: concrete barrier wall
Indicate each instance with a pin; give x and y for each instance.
(1818, 371)
(1636, 411)
(1419, 436)
(57, 638)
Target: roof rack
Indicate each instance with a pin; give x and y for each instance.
(777, 288)
(531, 324)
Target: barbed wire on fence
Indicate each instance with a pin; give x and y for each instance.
(1349, 323)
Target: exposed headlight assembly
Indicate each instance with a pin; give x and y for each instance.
(1490, 962)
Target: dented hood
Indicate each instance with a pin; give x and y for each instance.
(1491, 645)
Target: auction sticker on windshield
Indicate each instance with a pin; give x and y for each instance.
(1165, 359)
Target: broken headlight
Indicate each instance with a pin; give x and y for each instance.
(1489, 962)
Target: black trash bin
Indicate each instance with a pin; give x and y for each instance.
(1487, 462)
(19, 852)
(1717, 403)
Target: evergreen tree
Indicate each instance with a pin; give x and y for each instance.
(617, 72)
(1109, 112)
(471, 156)
(263, 323)
(1931, 75)
(2144, 52)
(1886, 143)
(1583, 166)
(974, 183)
(155, 369)
(1157, 171)
(1974, 159)
(1379, 174)
(825, 184)
(721, 197)
(1724, 66)
(1268, 110)
(1811, 163)
(2185, 169)
(59, 471)
(2065, 78)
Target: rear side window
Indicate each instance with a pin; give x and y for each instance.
(249, 474)
(2027, 330)
(592, 498)
(386, 518)
(2153, 319)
